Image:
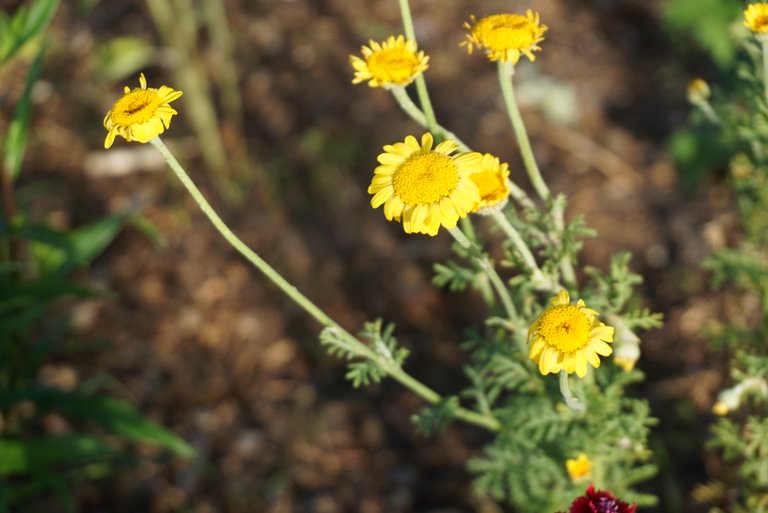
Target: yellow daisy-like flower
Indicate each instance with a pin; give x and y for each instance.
(756, 18)
(579, 468)
(425, 188)
(394, 62)
(506, 37)
(141, 114)
(493, 184)
(567, 337)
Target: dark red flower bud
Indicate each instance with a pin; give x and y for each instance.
(600, 502)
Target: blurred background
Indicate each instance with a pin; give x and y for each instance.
(283, 144)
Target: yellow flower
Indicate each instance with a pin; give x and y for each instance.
(567, 337)
(698, 91)
(506, 37)
(493, 183)
(721, 409)
(579, 468)
(425, 188)
(394, 62)
(625, 363)
(756, 18)
(141, 114)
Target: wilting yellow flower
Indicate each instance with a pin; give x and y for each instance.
(493, 183)
(567, 337)
(698, 91)
(425, 188)
(730, 399)
(625, 363)
(579, 468)
(756, 18)
(394, 62)
(626, 344)
(141, 114)
(506, 37)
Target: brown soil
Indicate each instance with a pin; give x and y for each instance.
(204, 345)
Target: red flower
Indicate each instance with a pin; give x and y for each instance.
(600, 502)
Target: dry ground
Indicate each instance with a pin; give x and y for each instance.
(205, 346)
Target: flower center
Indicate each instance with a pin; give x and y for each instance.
(505, 31)
(490, 185)
(136, 107)
(565, 327)
(760, 23)
(607, 505)
(425, 178)
(394, 65)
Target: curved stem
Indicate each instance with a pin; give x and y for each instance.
(710, 113)
(391, 368)
(506, 71)
(570, 400)
(539, 280)
(566, 266)
(520, 196)
(413, 111)
(490, 271)
(421, 84)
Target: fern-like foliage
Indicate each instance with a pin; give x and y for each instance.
(363, 370)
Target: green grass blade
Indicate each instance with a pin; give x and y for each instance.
(59, 252)
(46, 453)
(113, 415)
(16, 140)
(24, 25)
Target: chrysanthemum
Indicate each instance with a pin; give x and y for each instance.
(506, 37)
(756, 18)
(600, 501)
(425, 188)
(141, 114)
(579, 468)
(493, 184)
(394, 62)
(567, 337)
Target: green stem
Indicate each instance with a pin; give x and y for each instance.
(391, 368)
(239, 245)
(570, 399)
(520, 196)
(413, 111)
(566, 266)
(710, 113)
(490, 271)
(421, 84)
(539, 280)
(506, 71)
(764, 46)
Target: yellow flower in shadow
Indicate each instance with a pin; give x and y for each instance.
(493, 184)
